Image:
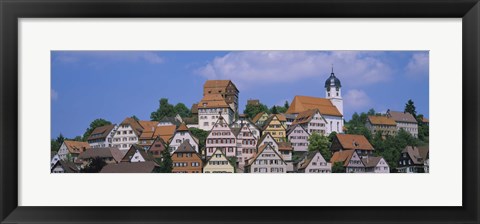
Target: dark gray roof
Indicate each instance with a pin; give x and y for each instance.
(404, 117)
(185, 147)
(101, 132)
(332, 79)
(172, 120)
(140, 167)
(68, 167)
(109, 152)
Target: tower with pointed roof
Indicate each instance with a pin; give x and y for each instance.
(333, 91)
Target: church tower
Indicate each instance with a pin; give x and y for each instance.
(333, 91)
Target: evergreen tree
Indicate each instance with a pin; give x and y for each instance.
(166, 165)
(338, 167)
(286, 105)
(135, 117)
(410, 108)
(201, 135)
(274, 110)
(60, 139)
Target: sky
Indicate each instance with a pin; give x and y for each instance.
(113, 85)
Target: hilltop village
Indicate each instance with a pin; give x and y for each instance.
(309, 137)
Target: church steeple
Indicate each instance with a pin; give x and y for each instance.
(333, 91)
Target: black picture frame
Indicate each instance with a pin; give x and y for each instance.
(11, 11)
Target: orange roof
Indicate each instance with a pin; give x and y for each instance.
(342, 156)
(212, 101)
(281, 117)
(75, 146)
(182, 127)
(165, 132)
(148, 125)
(381, 120)
(303, 103)
(257, 117)
(354, 142)
(305, 116)
(285, 146)
(137, 128)
(216, 83)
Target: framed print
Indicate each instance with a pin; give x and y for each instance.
(273, 111)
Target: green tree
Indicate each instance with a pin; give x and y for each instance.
(252, 110)
(410, 108)
(78, 138)
(54, 146)
(95, 166)
(201, 135)
(320, 143)
(166, 164)
(286, 105)
(135, 117)
(274, 110)
(331, 136)
(95, 124)
(182, 110)
(338, 167)
(165, 109)
(60, 139)
(371, 112)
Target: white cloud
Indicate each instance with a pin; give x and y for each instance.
(127, 56)
(250, 67)
(418, 65)
(53, 94)
(357, 99)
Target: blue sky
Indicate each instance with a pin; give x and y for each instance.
(116, 84)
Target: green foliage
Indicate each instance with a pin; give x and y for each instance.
(95, 166)
(286, 105)
(54, 146)
(95, 124)
(182, 110)
(135, 117)
(390, 147)
(252, 110)
(338, 167)
(60, 139)
(371, 112)
(166, 164)
(274, 110)
(78, 138)
(320, 143)
(331, 136)
(165, 109)
(233, 161)
(201, 135)
(410, 108)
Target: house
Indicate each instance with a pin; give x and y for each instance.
(165, 132)
(260, 119)
(157, 148)
(209, 110)
(127, 134)
(108, 154)
(221, 137)
(250, 124)
(359, 143)
(289, 119)
(191, 122)
(267, 139)
(142, 167)
(69, 150)
(147, 137)
(283, 120)
(53, 158)
(182, 134)
(375, 164)
(312, 121)
(414, 159)
(331, 114)
(102, 136)
(425, 121)
(313, 162)
(298, 137)
(274, 126)
(350, 160)
(246, 143)
(186, 159)
(136, 154)
(383, 124)
(194, 110)
(218, 163)
(63, 166)
(285, 149)
(226, 89)
(267, 160)
(404, 121)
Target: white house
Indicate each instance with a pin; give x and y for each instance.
(244, 120)
(137, 154)
(267, 139)
(221, 137)
(298, 136)
(313, 162)
(246, 143)
(218, 163)
(69, 150)
(350, 160)
(375, 164)
(267, 160)
(127, 134)
(183, 134)
(102, 136)
(209, 110)
(312, 121)
(404, 121)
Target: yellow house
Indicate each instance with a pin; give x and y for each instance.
(218, 163)
(274, 126)
(260, 119)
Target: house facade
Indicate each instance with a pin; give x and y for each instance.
(102, 136)
(267, 139)
(221, 137)
(267, 160)
(313, 162)
(298, 136)
(108, 155)
(182, 134)
(312, 121)
(274, 127)
(350, 160)
(413, 160)
(137, 154)
(382, 124)
(218, 163)
(224, 88)
(375, 164)
(157, 148)
(244, 120)
(209, 110)
(63, 166)
(186, 159)
(70, 150)
(405, 121)
(246, 144)
(260, 119)
(359, 143)
(127, 134)
(147, 137)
